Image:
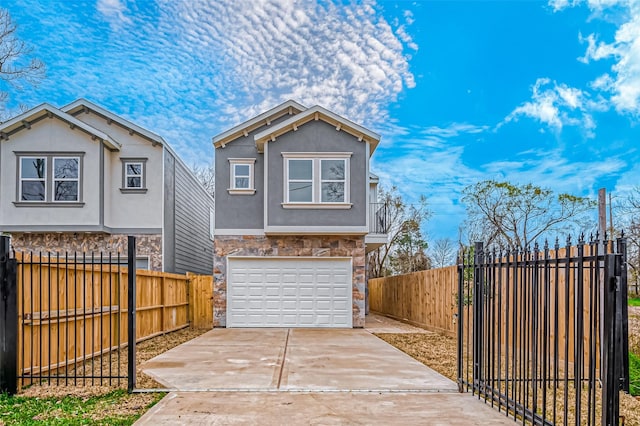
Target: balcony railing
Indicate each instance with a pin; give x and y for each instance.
(378, 218)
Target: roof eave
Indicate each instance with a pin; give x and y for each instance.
(24, 121)
(80, 104)
(243, 129)
(317, 113)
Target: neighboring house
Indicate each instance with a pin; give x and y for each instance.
(80, 178)
(295, 210)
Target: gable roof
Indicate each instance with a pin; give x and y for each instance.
(317, 113)
(289, 107)
(26, 119)
(80, 105)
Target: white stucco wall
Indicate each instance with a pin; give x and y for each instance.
(130, 210)
(45, 136)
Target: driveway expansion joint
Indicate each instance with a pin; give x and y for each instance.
(284, 357)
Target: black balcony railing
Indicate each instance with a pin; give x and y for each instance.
(378, 218)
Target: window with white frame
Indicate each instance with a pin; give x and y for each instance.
(134, 179)
(66, 178)
(242, 175)
(33, 179)
(321, 179)
(49, 178)
(133, 175)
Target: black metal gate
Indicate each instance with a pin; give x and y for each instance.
(65, 320)
(542, 333)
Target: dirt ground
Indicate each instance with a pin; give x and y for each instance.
(440, 353)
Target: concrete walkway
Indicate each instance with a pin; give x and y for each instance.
(303, 377)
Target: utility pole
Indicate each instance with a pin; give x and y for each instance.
(602, 212)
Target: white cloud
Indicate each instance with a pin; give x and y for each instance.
(553, 169)
(189, 70)
(113, 12)
(558, 105)
(622, 83)
(344, 57)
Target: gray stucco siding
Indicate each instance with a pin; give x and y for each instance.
(317, 136)
(240, 211)
(168, 234)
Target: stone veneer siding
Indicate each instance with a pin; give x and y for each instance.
(80, 242)
(274, 246)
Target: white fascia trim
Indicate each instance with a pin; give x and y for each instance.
(316, 230)
(334, 206)
(234, 191)
(367, 189)
(376, 238)
(317, 154)
(325, 258)
(234, 132)
(265, 184)
(253, 232)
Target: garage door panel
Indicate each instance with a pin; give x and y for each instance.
(301, 292)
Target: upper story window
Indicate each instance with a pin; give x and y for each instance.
(33, 179)
(134, 171)
(241, 180)
(49, 178)
(319, 179)
(66, 178)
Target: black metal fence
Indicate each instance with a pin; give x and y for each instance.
(542, 333)
(65, 318)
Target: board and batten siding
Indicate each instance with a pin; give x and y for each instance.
(188, 207)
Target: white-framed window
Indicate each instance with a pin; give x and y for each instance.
(241, 180)
(134, 175)
(300, 180)
(66, 179)
(49, 178)
(33, 179)
(333, 180)
(316, 179)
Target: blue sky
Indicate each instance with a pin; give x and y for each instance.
(527, 91)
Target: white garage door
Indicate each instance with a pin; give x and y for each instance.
(289, 292)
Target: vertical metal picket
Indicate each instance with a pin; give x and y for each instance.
(478, 308)
(131, 312)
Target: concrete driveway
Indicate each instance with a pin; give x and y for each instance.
(303, 377)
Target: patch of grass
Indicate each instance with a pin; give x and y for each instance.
(634, 301)
(114, 408)
(634, 374)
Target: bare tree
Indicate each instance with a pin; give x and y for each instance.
(405, 242)
(443, 253)
(628, 213)
(206, 176)
(516, 215)
(16, 68)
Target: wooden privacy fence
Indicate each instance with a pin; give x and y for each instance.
(74, 310)
(425, 298)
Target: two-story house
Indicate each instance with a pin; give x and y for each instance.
(294, 220)
(80, 179)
